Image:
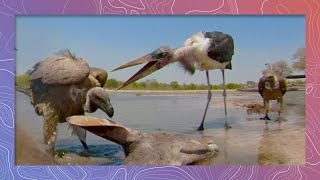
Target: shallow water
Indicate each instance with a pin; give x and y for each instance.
(250, 141)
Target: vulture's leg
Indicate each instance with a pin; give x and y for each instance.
(280, 101)
(281, 105)
(50, 127)
(226, 124)
(200, 128)
(266, 107)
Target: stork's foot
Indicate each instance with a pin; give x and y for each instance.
(200, 128)
(84, 153)
(227, 126)
(265, 118)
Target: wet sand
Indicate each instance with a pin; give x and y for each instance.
(250, 141)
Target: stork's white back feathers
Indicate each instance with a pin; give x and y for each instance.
(200, 45)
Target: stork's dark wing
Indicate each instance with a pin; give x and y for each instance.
(60, 70)
(222, 47)
(282, 83)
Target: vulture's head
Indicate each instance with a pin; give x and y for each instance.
(98, 98)
(271, 82)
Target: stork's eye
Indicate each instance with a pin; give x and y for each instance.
(161, 55)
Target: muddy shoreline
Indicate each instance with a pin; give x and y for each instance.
(249, 142)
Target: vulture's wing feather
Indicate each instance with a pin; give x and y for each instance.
(50, 126)
(261, 85)
(282, 83)
(100, 74)
(60, 70)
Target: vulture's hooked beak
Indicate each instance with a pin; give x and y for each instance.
(106, 107)
(109, 109)
(155, 61)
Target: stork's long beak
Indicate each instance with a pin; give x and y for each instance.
(152, 66)
(144, 59)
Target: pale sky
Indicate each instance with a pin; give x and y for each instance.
(109, 41)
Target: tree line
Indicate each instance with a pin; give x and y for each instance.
(282, 67)
(174, 85)
(23, 81)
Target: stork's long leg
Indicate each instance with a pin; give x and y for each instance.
(226, 124)
(280, 101)
(81, 133)
(84, 144)
(200, 128)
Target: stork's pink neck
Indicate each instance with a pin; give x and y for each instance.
(182, 53)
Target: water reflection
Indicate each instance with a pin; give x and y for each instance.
(279, 146)
(247, 142)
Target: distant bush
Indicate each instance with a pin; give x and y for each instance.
(112, 84)
(191, 87)
(233, 86)
(153, 84)
(174, 85)
(22, 80)
(216, 87)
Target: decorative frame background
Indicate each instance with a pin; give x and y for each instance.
(10, 8)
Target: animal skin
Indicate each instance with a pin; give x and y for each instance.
(148, 148)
